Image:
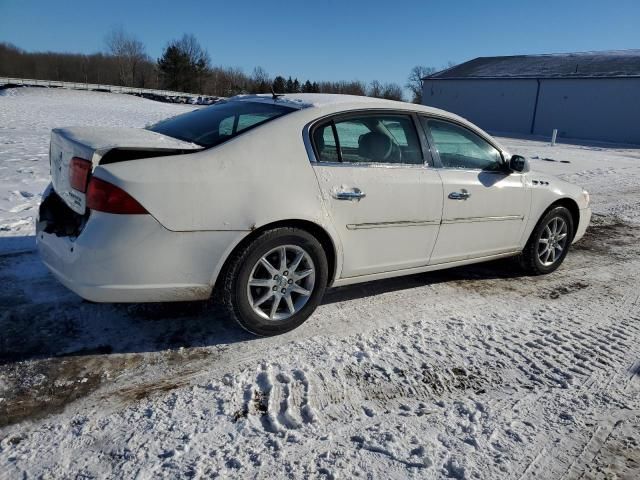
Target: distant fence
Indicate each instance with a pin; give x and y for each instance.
(92, 86)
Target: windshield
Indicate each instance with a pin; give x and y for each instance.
(218, 123)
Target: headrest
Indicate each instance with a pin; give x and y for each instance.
(374, 146)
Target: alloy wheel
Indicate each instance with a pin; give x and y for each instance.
(281, 282)
(553, 241)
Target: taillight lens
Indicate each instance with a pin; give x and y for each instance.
(106, 197)
(79, 170)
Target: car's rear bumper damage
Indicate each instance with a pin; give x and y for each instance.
(128, 258)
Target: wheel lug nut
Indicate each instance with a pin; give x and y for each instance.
(275, 277)
(290, 281)
(275, 288)
(286, 273)
(283, 290)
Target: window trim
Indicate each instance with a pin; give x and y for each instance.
(309, 130)
(442, 118)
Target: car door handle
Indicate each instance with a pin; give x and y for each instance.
(463, 195)
(353, 194)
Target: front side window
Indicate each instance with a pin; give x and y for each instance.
(369, 139)
(459, 147)
(218, 123)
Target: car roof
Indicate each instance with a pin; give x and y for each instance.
(336, 103)
(320, 100)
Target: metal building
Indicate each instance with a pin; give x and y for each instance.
(590, 95)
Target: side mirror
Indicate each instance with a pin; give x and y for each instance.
(519, 164)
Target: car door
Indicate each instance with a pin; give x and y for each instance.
(383, 197)
(485, 207)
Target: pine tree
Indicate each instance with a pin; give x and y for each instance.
(184, 65)
(279, 84)
(289, 86)
(175, 68)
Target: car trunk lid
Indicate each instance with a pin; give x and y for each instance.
(104, 145)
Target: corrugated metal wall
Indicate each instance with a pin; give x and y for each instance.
(592, 109)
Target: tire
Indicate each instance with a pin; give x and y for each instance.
(240, 300)
(535, 260)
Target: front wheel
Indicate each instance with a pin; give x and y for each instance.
(275, 282)
(549, 242)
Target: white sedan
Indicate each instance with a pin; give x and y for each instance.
(265, 201)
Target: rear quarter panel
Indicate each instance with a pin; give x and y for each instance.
(257, 178)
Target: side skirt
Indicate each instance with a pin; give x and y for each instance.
(427, 268)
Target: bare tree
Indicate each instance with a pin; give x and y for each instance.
(129, 53)
(375, 89)
(390, 91)
(261, 82)
(414, 82)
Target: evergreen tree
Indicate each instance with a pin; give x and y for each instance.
(175, 68)
(184, 65)
(279, 84)
(289, 86)
(296, 86)
(307, 87)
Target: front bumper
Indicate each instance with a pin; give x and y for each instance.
(585, 219)
(132, 258)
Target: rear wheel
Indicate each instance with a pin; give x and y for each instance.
(549, 242)
(276, 281)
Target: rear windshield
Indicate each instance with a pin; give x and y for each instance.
(218, 123)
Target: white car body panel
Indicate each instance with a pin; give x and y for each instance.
(203, 204)
(91, 143)
(547, 189)
(253, 173)
(123, 258)
(489, 222)
(382, 235)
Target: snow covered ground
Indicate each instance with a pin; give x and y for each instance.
(476, 372)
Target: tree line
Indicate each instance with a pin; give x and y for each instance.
(184, 66)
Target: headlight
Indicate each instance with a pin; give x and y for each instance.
(587, 198)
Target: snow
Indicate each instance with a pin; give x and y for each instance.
(476, 372)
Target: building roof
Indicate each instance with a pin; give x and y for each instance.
(607, 64)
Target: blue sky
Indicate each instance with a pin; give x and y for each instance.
(330, 39)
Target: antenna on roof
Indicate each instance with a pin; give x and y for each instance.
(275, 95)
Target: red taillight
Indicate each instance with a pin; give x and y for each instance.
(106, 197)
(79, 170)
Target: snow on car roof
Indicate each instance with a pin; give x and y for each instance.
(307, 100)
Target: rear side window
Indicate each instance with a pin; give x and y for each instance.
(218, 123)
(369, 139)
(325, 143)
(459, 147)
